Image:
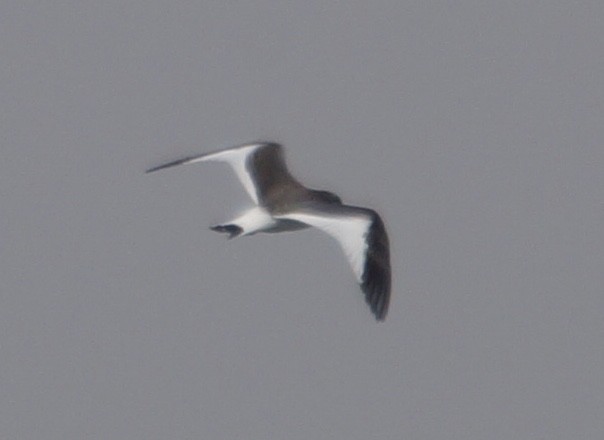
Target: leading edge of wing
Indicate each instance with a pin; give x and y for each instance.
(237, 157)
(205, 156)
(184, 161)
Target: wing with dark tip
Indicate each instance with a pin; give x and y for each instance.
(259, 166)
(363, 238)
(184, 161)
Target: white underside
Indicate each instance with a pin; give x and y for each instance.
(236, 158)
(349, 231)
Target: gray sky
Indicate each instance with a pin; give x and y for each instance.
(473, 127)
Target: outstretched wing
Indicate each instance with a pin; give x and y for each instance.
(259, 166)
(362, 236)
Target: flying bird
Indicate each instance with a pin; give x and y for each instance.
(282, 204)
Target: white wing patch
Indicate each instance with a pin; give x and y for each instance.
(349, 230)
(237, 158)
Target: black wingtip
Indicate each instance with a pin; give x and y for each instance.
(376, 283)
(377, 296)
(168, 165)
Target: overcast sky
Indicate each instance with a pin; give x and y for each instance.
(475, 128)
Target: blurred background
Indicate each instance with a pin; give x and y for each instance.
(474, 128)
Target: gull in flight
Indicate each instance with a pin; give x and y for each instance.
(281, 204)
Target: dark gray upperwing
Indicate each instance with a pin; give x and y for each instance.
(271, 177)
